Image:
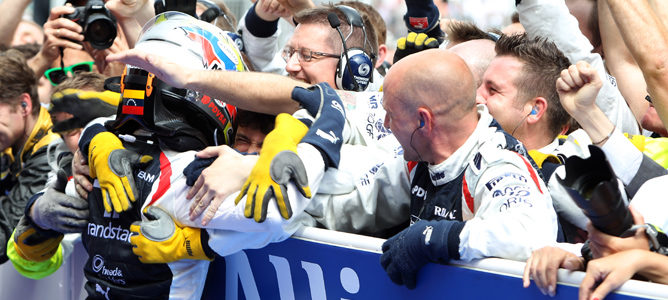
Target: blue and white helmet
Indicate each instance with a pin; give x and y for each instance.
(182, 119)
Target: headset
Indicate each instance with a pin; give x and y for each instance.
(355, 68)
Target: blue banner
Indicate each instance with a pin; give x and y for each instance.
(300, 269)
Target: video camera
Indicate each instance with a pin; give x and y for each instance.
(99, 25)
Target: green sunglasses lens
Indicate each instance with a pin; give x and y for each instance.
(56, 76)
(82, 67)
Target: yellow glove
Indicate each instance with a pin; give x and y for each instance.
(413, 43)
(112, 164)
(277, 165)
(160, 240)
(35, 244)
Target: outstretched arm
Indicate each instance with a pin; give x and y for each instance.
(261, 92)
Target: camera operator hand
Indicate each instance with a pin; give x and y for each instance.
(100, 55)
(58, 32)
(602, 244)
(543, 265)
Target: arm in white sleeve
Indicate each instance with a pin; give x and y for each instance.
(630, 164)
(263, 52)
(368, 194)
(551, 18)
(230, 231)
(513, 215)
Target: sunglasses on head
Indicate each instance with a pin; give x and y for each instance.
(58, 75)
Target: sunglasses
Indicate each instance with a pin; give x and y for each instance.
(58, 75)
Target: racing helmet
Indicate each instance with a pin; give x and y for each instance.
(181, 119)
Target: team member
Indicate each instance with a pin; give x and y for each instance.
(470, 197)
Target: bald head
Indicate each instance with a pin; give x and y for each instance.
(436, 78)
(477, 54)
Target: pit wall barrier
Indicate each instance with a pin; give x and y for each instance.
(324, 264)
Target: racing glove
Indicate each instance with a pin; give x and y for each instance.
(160, 240)
(112, 164)
(35, 244)
(422, 16)
(326, 132)
(83, 105)
(413, 43)
(425, 241)
(56, 211)
(277, 166)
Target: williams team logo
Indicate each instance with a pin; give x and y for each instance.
(364, 69)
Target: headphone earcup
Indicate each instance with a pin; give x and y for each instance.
(361, 68)
(340, 66)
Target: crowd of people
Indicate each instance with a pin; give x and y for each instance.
(166, 133)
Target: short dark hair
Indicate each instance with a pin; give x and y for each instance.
(463, 31)
(255, 120)
(17, 78)
(543, 63)
(318, 15)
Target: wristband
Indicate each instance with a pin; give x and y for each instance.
(607, 137)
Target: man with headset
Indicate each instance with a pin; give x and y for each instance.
(352, 40)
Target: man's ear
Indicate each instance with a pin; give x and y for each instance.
(26, 104)
(425, 118)
(538, 109)
(382, 53)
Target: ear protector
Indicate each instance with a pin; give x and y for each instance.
(355, 68)
(534, 111)
(421, 123)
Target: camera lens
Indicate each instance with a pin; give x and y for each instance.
(101, 31)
